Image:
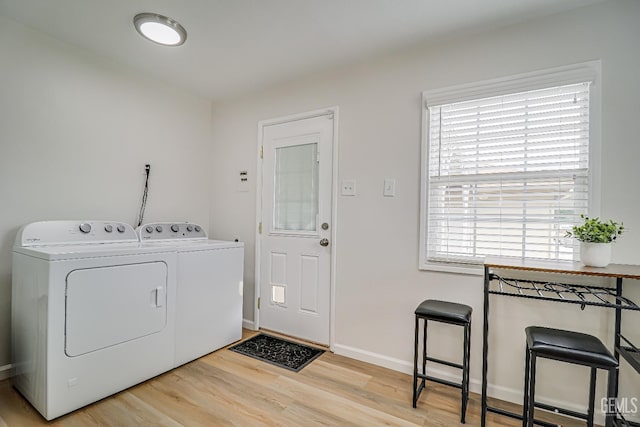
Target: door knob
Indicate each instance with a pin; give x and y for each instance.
(324, 242)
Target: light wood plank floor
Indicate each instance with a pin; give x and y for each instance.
(229, 389)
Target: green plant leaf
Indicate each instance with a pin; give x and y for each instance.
(595, 231)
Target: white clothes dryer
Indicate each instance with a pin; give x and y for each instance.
(209, 287)
(92, 312)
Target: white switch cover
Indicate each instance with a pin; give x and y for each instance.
(389, 187)
(348, 187)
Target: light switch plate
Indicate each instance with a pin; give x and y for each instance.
(348, 187)
(389, 187)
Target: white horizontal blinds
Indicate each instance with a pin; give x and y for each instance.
(508, 175)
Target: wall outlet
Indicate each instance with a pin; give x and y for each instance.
(348, 187)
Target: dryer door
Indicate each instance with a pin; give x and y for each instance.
(107, 306)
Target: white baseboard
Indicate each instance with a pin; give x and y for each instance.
(6, 371)
(500, 392)
(374, 358)
(248, 324)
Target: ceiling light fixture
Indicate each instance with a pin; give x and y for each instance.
(160, 29)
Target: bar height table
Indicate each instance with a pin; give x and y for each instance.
(583, 295)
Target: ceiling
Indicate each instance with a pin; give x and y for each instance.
(237, 46)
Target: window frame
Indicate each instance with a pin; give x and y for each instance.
(586, 71)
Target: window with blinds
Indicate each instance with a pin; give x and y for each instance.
(507, 175)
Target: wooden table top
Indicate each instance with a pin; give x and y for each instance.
(625, 271)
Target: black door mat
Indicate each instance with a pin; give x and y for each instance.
(279, 352)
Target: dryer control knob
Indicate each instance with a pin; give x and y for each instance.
(120, 228)
(108, 228)
(197, 228)
(85, 227)
(159, 228)
(189, 228)
(175, 228)
(148, 229)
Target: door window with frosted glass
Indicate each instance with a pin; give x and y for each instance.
(295, 197)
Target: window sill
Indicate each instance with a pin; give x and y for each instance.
(468, 269)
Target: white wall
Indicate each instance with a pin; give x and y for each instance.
(378, 283)
(75, 134)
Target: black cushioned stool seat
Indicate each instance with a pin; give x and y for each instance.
(571, 347)
(446, 312)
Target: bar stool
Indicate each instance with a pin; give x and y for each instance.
(445, 312)
(570, 347)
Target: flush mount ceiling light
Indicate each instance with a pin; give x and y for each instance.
(160, 29)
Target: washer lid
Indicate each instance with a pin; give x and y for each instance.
(67, 252)
(186, 245)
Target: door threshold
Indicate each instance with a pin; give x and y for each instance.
(294, 339)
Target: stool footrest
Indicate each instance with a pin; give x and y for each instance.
(504, 412)
(562, 411)
(445, 362)
(509, 414)
(439, 381)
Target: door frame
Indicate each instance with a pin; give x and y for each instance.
(334, 211)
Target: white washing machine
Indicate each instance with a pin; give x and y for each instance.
(209, 287)
(92, 312)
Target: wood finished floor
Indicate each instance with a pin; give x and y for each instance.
(229, 389)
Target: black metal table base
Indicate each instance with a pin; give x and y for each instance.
(582, 295)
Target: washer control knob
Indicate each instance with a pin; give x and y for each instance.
(148, 229)
(197, 228)
(175, 228)
(120, 228)
(189, 228)
(108, 228)
(159, 228)
(85, 227)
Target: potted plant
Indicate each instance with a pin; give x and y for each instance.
(595, 239)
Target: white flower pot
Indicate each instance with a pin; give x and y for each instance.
(595, 254)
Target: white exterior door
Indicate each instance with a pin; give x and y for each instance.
(295, 252)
